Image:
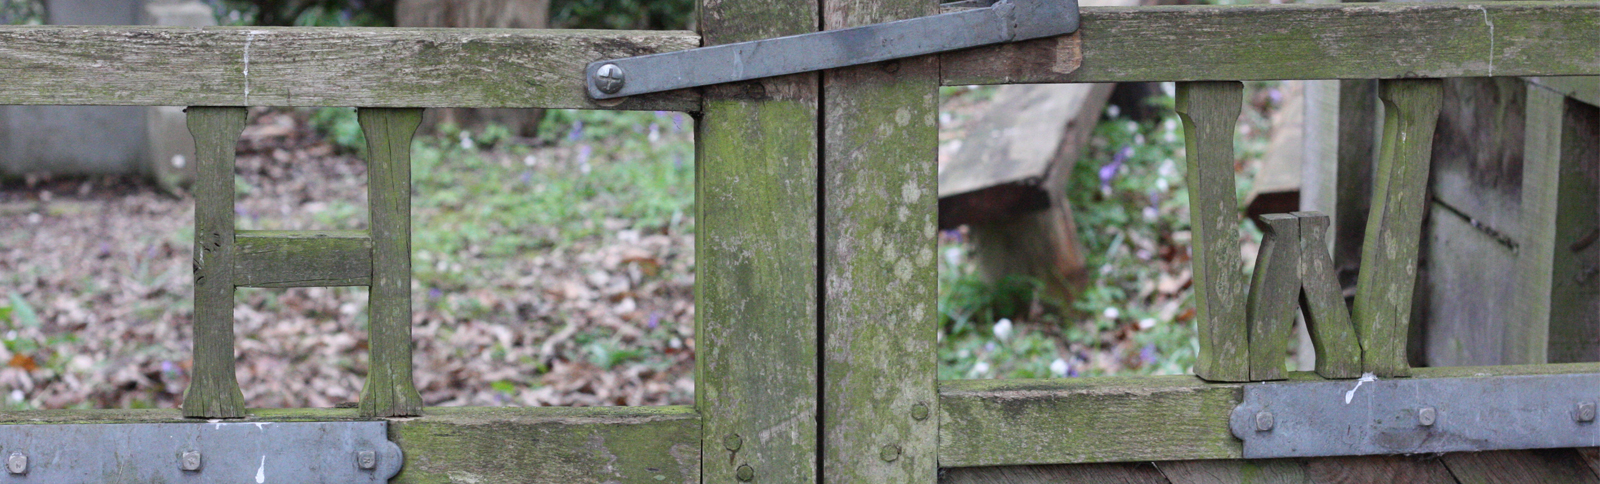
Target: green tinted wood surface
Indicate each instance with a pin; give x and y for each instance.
(389, 390)
(214, 390)
(1301, 41)
(1555, 278)
(1583, 89)
(270, 258)
(1399, 199)
(1274, 296)
(337, 67)
(756, 283)
(1543, 177)
(880, 205)
(1333, 337)
(1209, 111)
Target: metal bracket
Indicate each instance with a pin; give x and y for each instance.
(1004, 21)
(1414, 416)
(259, 452)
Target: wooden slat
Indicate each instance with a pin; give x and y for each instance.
(1131, 473)
(389, 390)
(1548, 466)
(1399, 200)
(1302, 41)
(1585, 89)
(265, 258)
(1333, 337)
(1275, 471)
(277, 66)
(1115, 419)
(214, 390)
(1274, 296)
(549, 445)
(756, 286)
(1209, 111)
(1554, 284)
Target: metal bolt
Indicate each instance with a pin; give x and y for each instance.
(919, 412)
(1426, 416)
(745, 473)
(732, 442)
(889, 453)
(1586, 412)
(367, 459)
(1263, 421)
(190, 461)
(609, 78)
(17, 463)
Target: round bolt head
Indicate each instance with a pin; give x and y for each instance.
(732, 442)
(17, 463)
(367, 459)
(190, 461)
(745, 473)
(1426, 416)
(1586, 412)
(919, 412)
(609, 78)
(889, 453)
(1264, 421)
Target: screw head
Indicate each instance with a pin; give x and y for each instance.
(889, 453)
(919, 412)
(190, 461)
(17, 463)
(1586, 412)
(745, 473)
(609, 78)
(732, 442)
(1426, 416)
(367, 459)
(1264, 421)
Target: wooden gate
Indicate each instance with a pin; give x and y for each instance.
(817, 203)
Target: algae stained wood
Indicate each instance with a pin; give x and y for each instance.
(756, 285)
(269, 258)
(389, 390)
(214, 390)
(1209, 111)
(1333, 337)
(1561, 224)
(1274, 296)
(880, 205)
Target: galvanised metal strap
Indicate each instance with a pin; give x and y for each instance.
(1004, 21)
(242, 452)
(1413, 416)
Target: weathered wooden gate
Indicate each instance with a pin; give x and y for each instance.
(815, 288)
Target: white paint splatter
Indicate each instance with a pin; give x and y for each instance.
(249, 38)
(1365, 377)
(261, 472)
(1489, 23)
(260, 425)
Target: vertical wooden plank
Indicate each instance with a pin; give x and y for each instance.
(880, 367)
(756, 283)
(1558, 256)
(214, 390)
(1209, 111)
(1321, 300)
(1340, 136)
(1274, 295)
(389, 390)
(1394, 226)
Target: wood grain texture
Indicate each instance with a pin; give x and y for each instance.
(1557, 261)
(1547, 466)
(267, 258)
(1399, 201)
(1333, 337)
(1304, 41)
(1209, 111)
(1262, 471)
(1120, 473)
(756, 291)
(1274, 296)
(389, 390)
(1583, 89)
(1424, 469)
(1341, 148)
(214, 390)
(280, 66)
(880, 330)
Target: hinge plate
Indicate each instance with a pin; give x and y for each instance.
(1421, 415)
(244, 452)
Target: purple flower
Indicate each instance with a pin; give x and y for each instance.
(1109, 171)
(1148, 354)
(435, 293)
(655, 320)
(577, 131)
(583, 153)
(527, 176)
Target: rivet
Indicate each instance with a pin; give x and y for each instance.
(889, 453)
(1426, 416)
(919, 412)
(745, 473)
(732, 442)
(1586, 412)
(609, 78)
(190, 461)
(1263, 421)
(17, 463)
(367, 459)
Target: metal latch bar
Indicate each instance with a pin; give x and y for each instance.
(1414, 416)
(1004, 21)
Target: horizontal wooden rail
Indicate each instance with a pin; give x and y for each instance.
(1115, 419)
(348, 67)
(1584, 89)
(265, 258)
(461, 444)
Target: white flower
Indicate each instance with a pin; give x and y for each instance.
(980, 369)
(1111, 313)
(1002, 329)
(1059, 367)
(952, 256)
(1147, 323)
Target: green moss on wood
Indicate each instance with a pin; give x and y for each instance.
(302, 258)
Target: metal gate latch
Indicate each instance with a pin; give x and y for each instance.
(243, 452)
(1417, 415)
(1004, 21)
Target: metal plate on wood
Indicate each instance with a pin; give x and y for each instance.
(242, 452)
(1411, 416)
